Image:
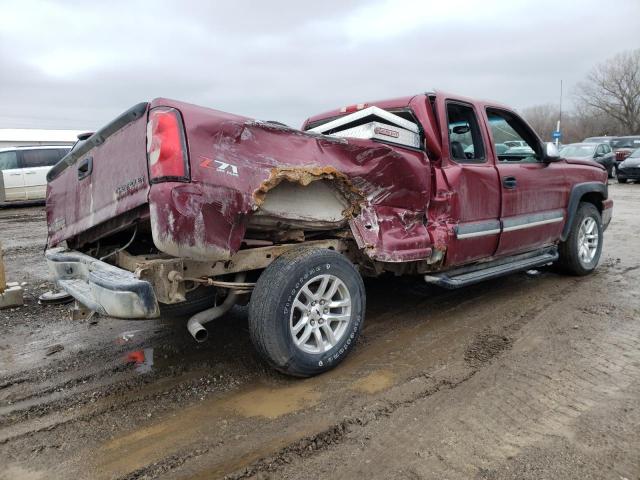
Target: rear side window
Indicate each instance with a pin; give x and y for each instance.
(465, 140)
(41, 157)
(8, 160)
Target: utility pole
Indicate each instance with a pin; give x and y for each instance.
(559, 116)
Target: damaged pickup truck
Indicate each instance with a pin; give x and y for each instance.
(182, 211)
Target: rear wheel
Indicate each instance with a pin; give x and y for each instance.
(306, 311)
(580, 252)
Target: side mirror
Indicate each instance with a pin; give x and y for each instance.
(461, 129)
(551, 153)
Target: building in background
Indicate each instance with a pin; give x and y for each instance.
(19, 137)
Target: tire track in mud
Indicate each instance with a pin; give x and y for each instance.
(312, 444)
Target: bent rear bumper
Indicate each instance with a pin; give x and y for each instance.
(102, 287)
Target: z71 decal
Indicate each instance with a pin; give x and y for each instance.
(220, 166)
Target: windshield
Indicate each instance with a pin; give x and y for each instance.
(635, 153)
(578, 151)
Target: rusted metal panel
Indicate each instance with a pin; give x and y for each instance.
(157, 269)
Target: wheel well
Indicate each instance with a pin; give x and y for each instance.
(593, 197)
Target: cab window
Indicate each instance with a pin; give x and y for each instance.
(506, 127)
(465, 140)
(8, 160)
(42, 157)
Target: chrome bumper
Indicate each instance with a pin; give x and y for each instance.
(102, 287)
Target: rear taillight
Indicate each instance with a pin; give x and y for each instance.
(166, 146)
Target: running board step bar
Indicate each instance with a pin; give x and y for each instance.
(463, 277)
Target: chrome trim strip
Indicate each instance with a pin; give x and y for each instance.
(477, 229)
(510, 224)
(481, 233)
(522, 226)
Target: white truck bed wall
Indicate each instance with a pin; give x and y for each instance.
(382, 132)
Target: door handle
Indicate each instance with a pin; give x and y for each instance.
(29, 173)
(509, 182)
(15, 174)
(85, 168)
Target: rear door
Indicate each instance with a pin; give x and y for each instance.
(35, 165)
(470, 172)
(12, 176)
(534, 193)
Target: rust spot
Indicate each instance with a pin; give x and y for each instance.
(306, 175)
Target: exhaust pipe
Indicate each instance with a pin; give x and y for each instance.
(195, 323)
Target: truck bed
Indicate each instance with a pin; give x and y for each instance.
(248, 180)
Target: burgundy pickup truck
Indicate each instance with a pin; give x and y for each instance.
(183, 211)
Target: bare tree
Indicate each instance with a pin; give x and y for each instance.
(613, 88)
(542, 118)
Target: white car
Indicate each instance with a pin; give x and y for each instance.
(24, 171)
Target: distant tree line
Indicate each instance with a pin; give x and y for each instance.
(607, 102)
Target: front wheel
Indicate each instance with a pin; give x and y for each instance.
(622, 180)
(306, 311)
(580, 252)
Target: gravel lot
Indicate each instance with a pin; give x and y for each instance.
(536, 375)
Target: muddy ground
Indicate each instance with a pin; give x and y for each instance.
(536, 375)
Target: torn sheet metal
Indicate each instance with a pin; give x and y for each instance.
(236, 162)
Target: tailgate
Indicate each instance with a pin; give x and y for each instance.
(101, 179)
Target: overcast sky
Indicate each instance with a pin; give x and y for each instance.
(77, 64)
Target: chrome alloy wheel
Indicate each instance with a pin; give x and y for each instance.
(588, 239)
(320, 314)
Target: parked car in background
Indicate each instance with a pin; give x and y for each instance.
(515, 143)
(24, 171)
(500, 149)
(606, 139)
(629, 168)
(598, 152)
(623, 146)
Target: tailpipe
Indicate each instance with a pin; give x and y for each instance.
(195, 323)
(198, 331)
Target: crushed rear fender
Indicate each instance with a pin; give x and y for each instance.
(237, 163)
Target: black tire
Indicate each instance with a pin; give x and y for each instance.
(610, 172)
(198, 300)
(622, 180)
(271, 310)
(570, 261)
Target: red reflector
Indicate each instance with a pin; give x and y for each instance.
(166, 146)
